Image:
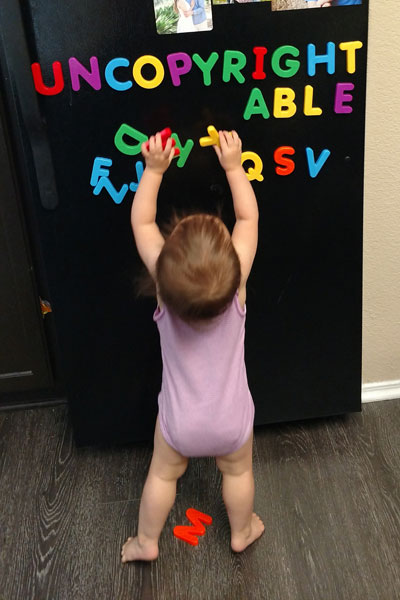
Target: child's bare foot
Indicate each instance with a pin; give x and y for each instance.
(133, 550)
(240, 541)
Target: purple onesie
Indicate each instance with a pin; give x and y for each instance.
(205, 405)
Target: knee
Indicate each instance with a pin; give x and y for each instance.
(169, 472)
(181, 468)
(223, 466)
(233, 469)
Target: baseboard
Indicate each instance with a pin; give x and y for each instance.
(382, 390)
(371, 392)
(31, 405)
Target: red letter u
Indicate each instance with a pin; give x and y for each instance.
(58, 79)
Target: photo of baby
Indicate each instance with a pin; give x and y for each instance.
(301, 4)
(183, 16)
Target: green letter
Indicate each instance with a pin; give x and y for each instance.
(206, 66)
(256, 105)
(231, 68)
(184, 150)
(292, 66)
(134, 134)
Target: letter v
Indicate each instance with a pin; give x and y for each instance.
(314, 166)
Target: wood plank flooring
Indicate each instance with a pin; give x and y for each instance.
(327, 490)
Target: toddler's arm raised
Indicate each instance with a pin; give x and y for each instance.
(245, 231)
(148, 238)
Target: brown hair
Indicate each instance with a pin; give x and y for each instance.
(198, 269)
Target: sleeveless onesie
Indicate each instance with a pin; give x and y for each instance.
(205, 405)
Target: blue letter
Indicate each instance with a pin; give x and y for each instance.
(104, 182)
(98, 171)
(315, 167)
(328, 58)
(120, 86)
(139, 172)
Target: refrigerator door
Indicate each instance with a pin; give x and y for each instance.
(303, 330)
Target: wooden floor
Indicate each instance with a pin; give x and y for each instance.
(328, 492)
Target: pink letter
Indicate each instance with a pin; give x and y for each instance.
(176, 71)
(77, 70)
(341, 97)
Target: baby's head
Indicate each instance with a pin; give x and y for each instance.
(198, 269)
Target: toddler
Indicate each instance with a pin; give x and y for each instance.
(205, 406)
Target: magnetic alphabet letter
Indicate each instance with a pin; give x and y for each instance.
(134, 134)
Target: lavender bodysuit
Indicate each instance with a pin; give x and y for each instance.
(205, 405)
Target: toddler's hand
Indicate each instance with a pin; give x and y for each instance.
(230, 150)
(158, 159)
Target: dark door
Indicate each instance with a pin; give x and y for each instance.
(23, 354)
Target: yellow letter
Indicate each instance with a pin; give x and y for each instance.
(212, 139)
(350, 49)
(253, 172)
(284, 107)
(309, 109)
(137, 72)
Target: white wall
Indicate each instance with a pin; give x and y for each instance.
(381, 329)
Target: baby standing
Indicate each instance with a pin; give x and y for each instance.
(205, 407)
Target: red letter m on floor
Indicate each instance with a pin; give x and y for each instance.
(189, 533)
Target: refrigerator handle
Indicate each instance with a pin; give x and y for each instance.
(30, 126)
(35, 127)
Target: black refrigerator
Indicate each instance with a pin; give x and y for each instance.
(85, 82)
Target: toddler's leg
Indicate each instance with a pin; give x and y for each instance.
(158, 497)
(238, 494)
